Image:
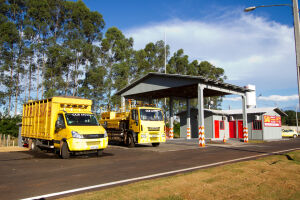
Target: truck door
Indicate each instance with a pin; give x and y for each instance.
(60, 131)
(134, 121)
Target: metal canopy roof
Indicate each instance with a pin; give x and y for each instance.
(240, 111)
(159, 85)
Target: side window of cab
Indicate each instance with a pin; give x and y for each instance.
(61, 120)
(133, 115)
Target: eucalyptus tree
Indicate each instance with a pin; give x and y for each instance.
(116, 55)
(57, 55)
(12, 47)
(37, 19)
(82, 30)
(178, 63)
(93, 85)
(151, 58)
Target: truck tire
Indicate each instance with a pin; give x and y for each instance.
(33, 146)
(30, 144)
(130, 141)
(100, 152)
(155, 144)
(65, 153)
(294, 136)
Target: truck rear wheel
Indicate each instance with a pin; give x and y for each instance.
(33, 145)
(155, 144)
(130, 141)
(64, 152)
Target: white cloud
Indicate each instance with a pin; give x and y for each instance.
(279, 98)
(250, 49)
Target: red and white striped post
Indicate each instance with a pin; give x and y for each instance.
(171, 133)
(245, 131)
(245, 122)
(201, 136)
(188, 120)
(188, 133)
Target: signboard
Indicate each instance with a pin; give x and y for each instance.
(272, 121)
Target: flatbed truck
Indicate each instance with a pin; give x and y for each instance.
(142, 124)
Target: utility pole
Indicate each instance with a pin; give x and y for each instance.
(297, 43)
(296, 34)
(297, 118)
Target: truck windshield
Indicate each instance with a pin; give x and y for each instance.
(151, 115)
(81, 119)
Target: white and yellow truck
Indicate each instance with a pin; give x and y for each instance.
(138, 125)
(64, 124)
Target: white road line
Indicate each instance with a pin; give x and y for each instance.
(154, 175)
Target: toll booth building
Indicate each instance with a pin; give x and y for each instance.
(263, 123)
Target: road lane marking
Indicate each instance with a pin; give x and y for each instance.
(154, 175)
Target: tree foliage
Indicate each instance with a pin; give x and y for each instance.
(58, 47)
(290, 120)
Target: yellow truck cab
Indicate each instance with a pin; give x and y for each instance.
(65, 124)
(139, 125)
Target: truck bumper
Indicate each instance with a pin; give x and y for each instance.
(75, 144)
(151, 138)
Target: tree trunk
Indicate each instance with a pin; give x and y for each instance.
(75, 75)
(67, 81)
(43, 72)
(10, 89)
(37, 81)
(30, 74)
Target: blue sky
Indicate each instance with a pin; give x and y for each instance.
(254, 48)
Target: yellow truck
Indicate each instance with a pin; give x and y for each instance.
(139, 125)
(64, 124)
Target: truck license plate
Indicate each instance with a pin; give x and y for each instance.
(94, 147)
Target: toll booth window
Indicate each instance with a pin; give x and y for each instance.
(222, 125)
(256, 124)
(81, 119)
(151, 115)
(60, 118)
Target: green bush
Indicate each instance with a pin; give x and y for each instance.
(8, 125)
(176, 129)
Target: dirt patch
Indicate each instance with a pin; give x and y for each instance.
(11, 149)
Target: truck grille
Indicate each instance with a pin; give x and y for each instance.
(153, 128)
(93, 143)
(93, 136)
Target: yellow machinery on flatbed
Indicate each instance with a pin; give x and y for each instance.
(140, 124)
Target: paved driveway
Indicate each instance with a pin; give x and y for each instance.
(29, 174)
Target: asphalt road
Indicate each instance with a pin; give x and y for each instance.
(28, 174)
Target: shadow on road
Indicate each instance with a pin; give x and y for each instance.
(27, 155)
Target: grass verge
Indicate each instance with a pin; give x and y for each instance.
(273, 177)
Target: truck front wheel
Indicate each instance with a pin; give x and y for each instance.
(155, 144)
(100, 152)
(64, 152)
(130, 141)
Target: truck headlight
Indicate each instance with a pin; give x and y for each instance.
(105, 134)
(75, 134)
(143, 136)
